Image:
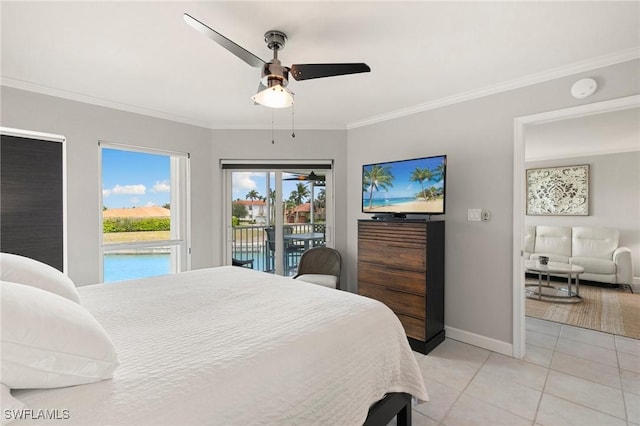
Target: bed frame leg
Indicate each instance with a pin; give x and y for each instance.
(396, 405)
(404, 416)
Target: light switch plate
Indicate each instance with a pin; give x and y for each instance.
(474, 215)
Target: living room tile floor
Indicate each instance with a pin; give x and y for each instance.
(570, 376)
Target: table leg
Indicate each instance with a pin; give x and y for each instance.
(548, 280)
(540, 285)
(578, 285)
(569, 284)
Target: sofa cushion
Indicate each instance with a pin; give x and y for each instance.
(594, 265)
(323, 280)
(529, 240)
(601, 278)
(553, 241)
(594, 242)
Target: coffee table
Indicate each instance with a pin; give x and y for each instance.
(557, 294)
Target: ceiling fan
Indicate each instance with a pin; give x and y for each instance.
(272, 91)
(317, 179)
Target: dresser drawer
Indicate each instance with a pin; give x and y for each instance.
(399, 279)
(399, 302)
(393, 233)
(398, 255)
(413, 327)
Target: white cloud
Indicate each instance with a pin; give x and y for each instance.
(125, 189)
(242, 182)
(161, 187)
(150, 204)
(134, 200)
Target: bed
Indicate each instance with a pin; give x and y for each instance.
(233, 346)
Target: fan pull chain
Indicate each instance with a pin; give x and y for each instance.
(272, 139)
(293, 133)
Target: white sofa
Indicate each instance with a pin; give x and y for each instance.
(595, 249)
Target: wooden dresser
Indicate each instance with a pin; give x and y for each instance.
(401, 263)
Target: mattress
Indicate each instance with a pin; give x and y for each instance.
(232, 346)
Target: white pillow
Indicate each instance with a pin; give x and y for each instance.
(23, 270)
(49, 341)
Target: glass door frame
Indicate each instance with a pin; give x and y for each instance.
(278, 167)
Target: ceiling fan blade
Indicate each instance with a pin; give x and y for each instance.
(310, 177)
(313, 176)
(232, 47)
(309, 71)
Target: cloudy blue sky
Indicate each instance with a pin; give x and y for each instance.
(243, 182)
(134, 179)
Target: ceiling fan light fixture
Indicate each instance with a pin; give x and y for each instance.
(274, 75)
(275, 96)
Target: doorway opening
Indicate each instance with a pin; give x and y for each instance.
(520, 128)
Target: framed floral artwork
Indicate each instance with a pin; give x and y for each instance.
(558, 191)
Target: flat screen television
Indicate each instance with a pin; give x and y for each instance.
(398, 188)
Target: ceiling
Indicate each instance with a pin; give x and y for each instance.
(142, 57)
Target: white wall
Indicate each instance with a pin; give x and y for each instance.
(614, 197)
(478, 137)
(83, 125)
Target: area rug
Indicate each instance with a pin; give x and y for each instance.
(615, 311)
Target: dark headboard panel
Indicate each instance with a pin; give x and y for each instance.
(31, 199)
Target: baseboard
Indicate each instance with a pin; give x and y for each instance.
(484, 342)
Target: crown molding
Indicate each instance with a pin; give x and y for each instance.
(59, 93)
(567, 70)
(583, 66)
(72, 96)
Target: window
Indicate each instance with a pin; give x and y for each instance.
(144, 219)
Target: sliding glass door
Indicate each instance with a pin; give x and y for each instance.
(275, 213)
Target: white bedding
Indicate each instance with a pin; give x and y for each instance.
(231, 346)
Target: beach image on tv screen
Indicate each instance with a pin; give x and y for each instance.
(410, 186)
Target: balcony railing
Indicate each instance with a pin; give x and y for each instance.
(254, 243)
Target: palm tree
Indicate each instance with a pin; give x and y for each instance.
(432, 193)
(377, 178)
(252, 195)
(289, 205)
(321, 199)
(420, 175)
(300, 194)
(439, 172)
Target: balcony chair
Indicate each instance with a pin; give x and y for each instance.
(242, 263)
(320, 265)
(291, 251)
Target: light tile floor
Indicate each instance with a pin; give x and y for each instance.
(570, 376)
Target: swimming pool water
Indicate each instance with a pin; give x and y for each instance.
(118, 267)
